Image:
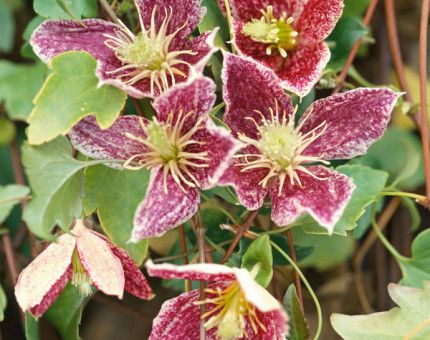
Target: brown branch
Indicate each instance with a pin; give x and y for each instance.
(353, 52)
(359, 257)
(423, 96)
(137, 107)
(296, 274)
(8, 250)
(109, 10)
(184, 250)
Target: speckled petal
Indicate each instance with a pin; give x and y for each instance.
(355, 120)
(303, 68)
(112, 143)
(220, 146)
(197, 95)
(250, 86)
(187, 13)
(159, 212)
(45, 274)
(135, 281)
(323, 199)
(318, 20)
(251, 195)
(198, 272)
(102, 266)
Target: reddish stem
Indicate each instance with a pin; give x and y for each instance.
(8, 249)
(353, 52)
(296, 274)
(423, 95)
(137, 107)
(184, 250)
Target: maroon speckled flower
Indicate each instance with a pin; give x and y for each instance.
(236, 306)
(286, 36)
(280, 156)
(182, 147)
(86, 258)
(142, 65)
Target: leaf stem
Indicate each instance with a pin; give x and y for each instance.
(184, 250)
(227, 9)
(402, 194)
(308, 286)
(417, 329)
(109, 10)
(12, 199)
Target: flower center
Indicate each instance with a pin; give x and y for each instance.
(233, 310)
(80, 278)
(280, 147)
(277, 33)
(165, 145)
(148, 55)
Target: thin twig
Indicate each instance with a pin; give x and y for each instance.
(184, 250)
(423, 96)
(353, 52)
(296, 274)
(109, 10)
(8, 250)
(137, 107)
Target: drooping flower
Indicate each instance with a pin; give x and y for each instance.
(281, 157)
(236, 306)
(181, 146)
(286, 36)
(142, 65)
(84, 257)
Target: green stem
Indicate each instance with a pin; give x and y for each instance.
(381, 236)
(13, 199)
(227, 9)
(281, 230)
(402, 194)
(308, 286)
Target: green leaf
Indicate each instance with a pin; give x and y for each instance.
(57, 9)
(7, 131)
(3, 303)
(31, 327)
(18, 86)
(259, 254)
(413, 310)
(223, 192)
(26, 48)
(56, 180)
(7, 28)
(7, 194)
(66, 311)
(69, 94)
(116, 194)
(365, 220)
(299, 329)
(417, 268)
(354, 8)
(215, 18)
(345, 34)
(369, 184)
(390, 154)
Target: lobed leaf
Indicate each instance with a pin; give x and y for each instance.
(66, 9)
(7, 195)
(259, 253)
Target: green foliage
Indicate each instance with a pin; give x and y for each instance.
(7, 28)
(354, 8)
(299, 329)
(115, 194)
(413, 311)
(259, 253)
(7, 131)
(18, 86)
(31, 327)
(66, 9)
(417, 268)
(395, 152)
(69, 94)
(364, 221)
(26, 49)
(56, 181)
(369, 184)
(66, 311)
(215, 18)
(3, 303)
(7, 195)
(227, 193)
(409, 204)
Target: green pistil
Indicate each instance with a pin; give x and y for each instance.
(80, 278)
(157, 136)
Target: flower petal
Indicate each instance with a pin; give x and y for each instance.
(251, 195)
(102, 266)
(324, 199)
(135, 281)
(112, 143)
(355, 120)
(318, 20)
(249, 86)
(185, 13)
(159, 212)
(303, 67)
(198, 271)
(42, 280)
(220, 146)
(197, 95)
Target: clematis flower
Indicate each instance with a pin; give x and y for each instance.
(286, 36)
(281, 158)
(236, 306)
(142, 65)
(86, 258)
(182, 148)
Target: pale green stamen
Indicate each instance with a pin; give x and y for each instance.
(277, 33)
(80, 278)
